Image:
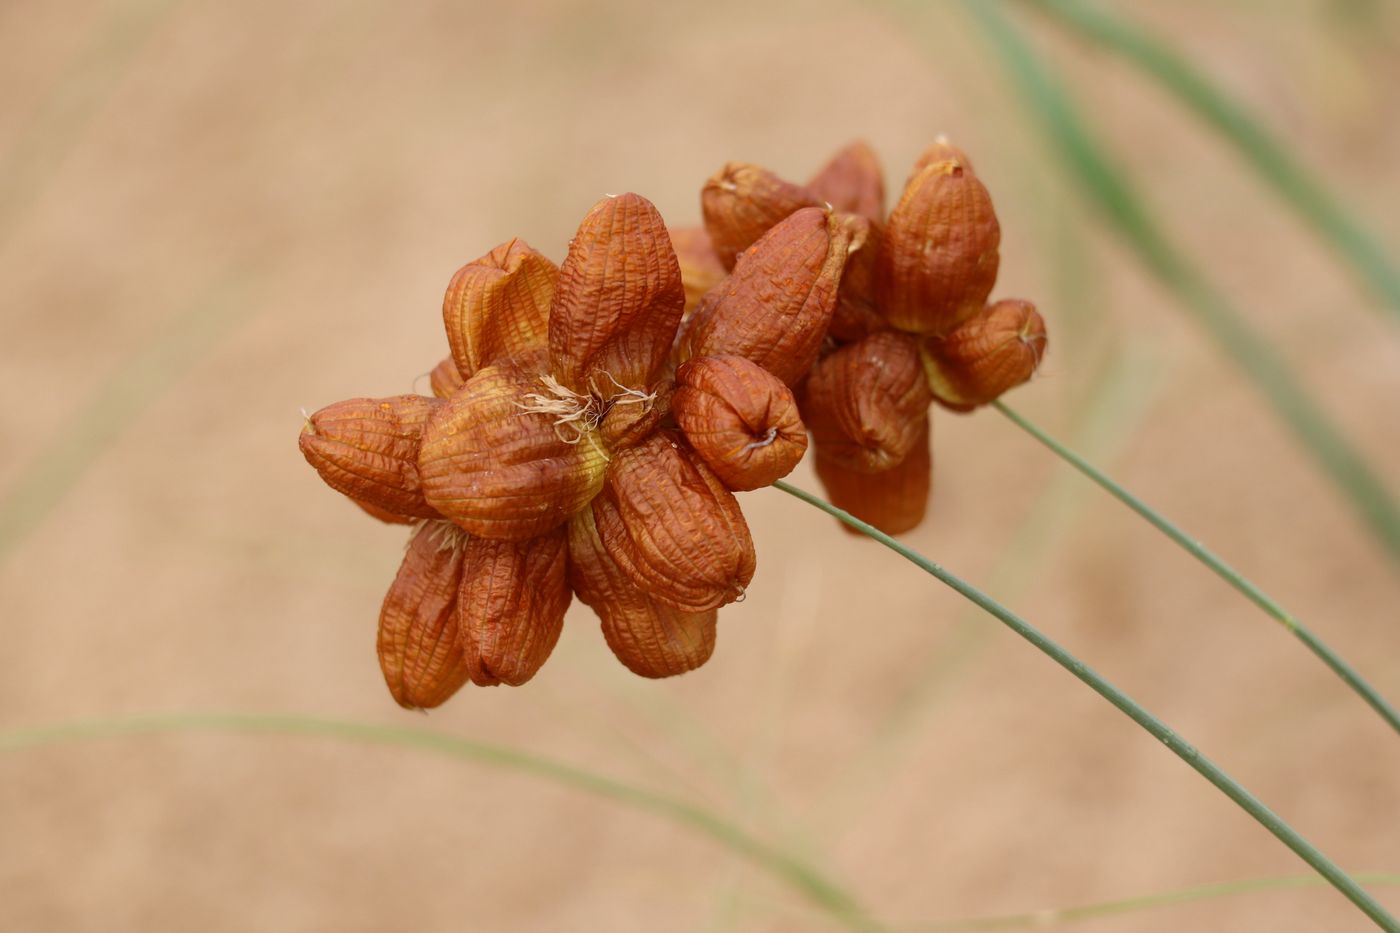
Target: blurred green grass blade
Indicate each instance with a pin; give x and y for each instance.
(1216, 565)
(1126, 705)
(1269, 157)
(801, 876)
(1040, 919)
(1112, 191)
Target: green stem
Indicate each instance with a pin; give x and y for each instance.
(1223, 570)
(1200, 892)
(1270, 158)
(1091, 164)
(1129, 707)
(796, 873)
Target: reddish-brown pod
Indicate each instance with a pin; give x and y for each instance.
(367, 448)
(856, 314)
(497, 461)
(673, 527)
(741, 202)
(650, 637)
(418, 650)
(852, 181)
(618, 301)
(498, 305)
(740, 418)
(774, 309)
(894, 500)
(940, 255)
(510, 609)
(997, 350)
(866, 403)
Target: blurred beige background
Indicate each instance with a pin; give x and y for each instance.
(213, 214)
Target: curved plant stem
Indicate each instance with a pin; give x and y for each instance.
(1040, 919)
(1270, 158)
(1129, 707)
(1112, 191)
(1223, 570)
(796, 873)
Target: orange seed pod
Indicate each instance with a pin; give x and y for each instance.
(741, 202)
(995, 351)
(418, 650)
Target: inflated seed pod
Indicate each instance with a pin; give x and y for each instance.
(995, 351)
(865, 403)
(852, 181)
(774, 309)
(510, 608)
(498, 306)
(740, 418)
(673, 527)
(893, 500)
(367, 448)
(940, 255)
(510, 455)
(418, 651)
(741, 202)
(650, 637)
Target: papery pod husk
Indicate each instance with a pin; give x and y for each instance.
(774, 309)
(673, 527)
(865, 403)
(630, 418)
(993, 352)
(618, 301)
(445, 378)
(940, 255)
(856, 314)
(651, 638)
(500, 470)
(510, 608)
(740, 419)
(498, 306)
(700, 267)
(418, 650)
(741, 202)
(893, 500)
(852, 181)
(367, 448)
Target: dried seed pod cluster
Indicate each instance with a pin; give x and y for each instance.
(911, 322)
(575, 446)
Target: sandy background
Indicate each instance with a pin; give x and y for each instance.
(212, 214)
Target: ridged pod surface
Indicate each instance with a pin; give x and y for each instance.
(649, 637)
(940, 255)
(367, 448)
(741, 202)
(418, 651)
(510, 609)
(774, 309)
(618, 301)
(894, 500)
(673, 527)
(866, 403)
(997, 350)
(852, 181)
(498, 306)
(740, 418)
(500, 470)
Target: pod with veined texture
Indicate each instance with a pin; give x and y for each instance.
(852, 181)
(510, 609)
(741, 202)
(893, 500)
(651, 638)
(367, 448)
(995, 351)
(502, 470)
(418, 651)
(673, 527)
(866, 402)
(498, 306)
(740, 418)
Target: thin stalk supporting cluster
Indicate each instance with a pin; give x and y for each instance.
(1218, 566)
(1208, 769)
